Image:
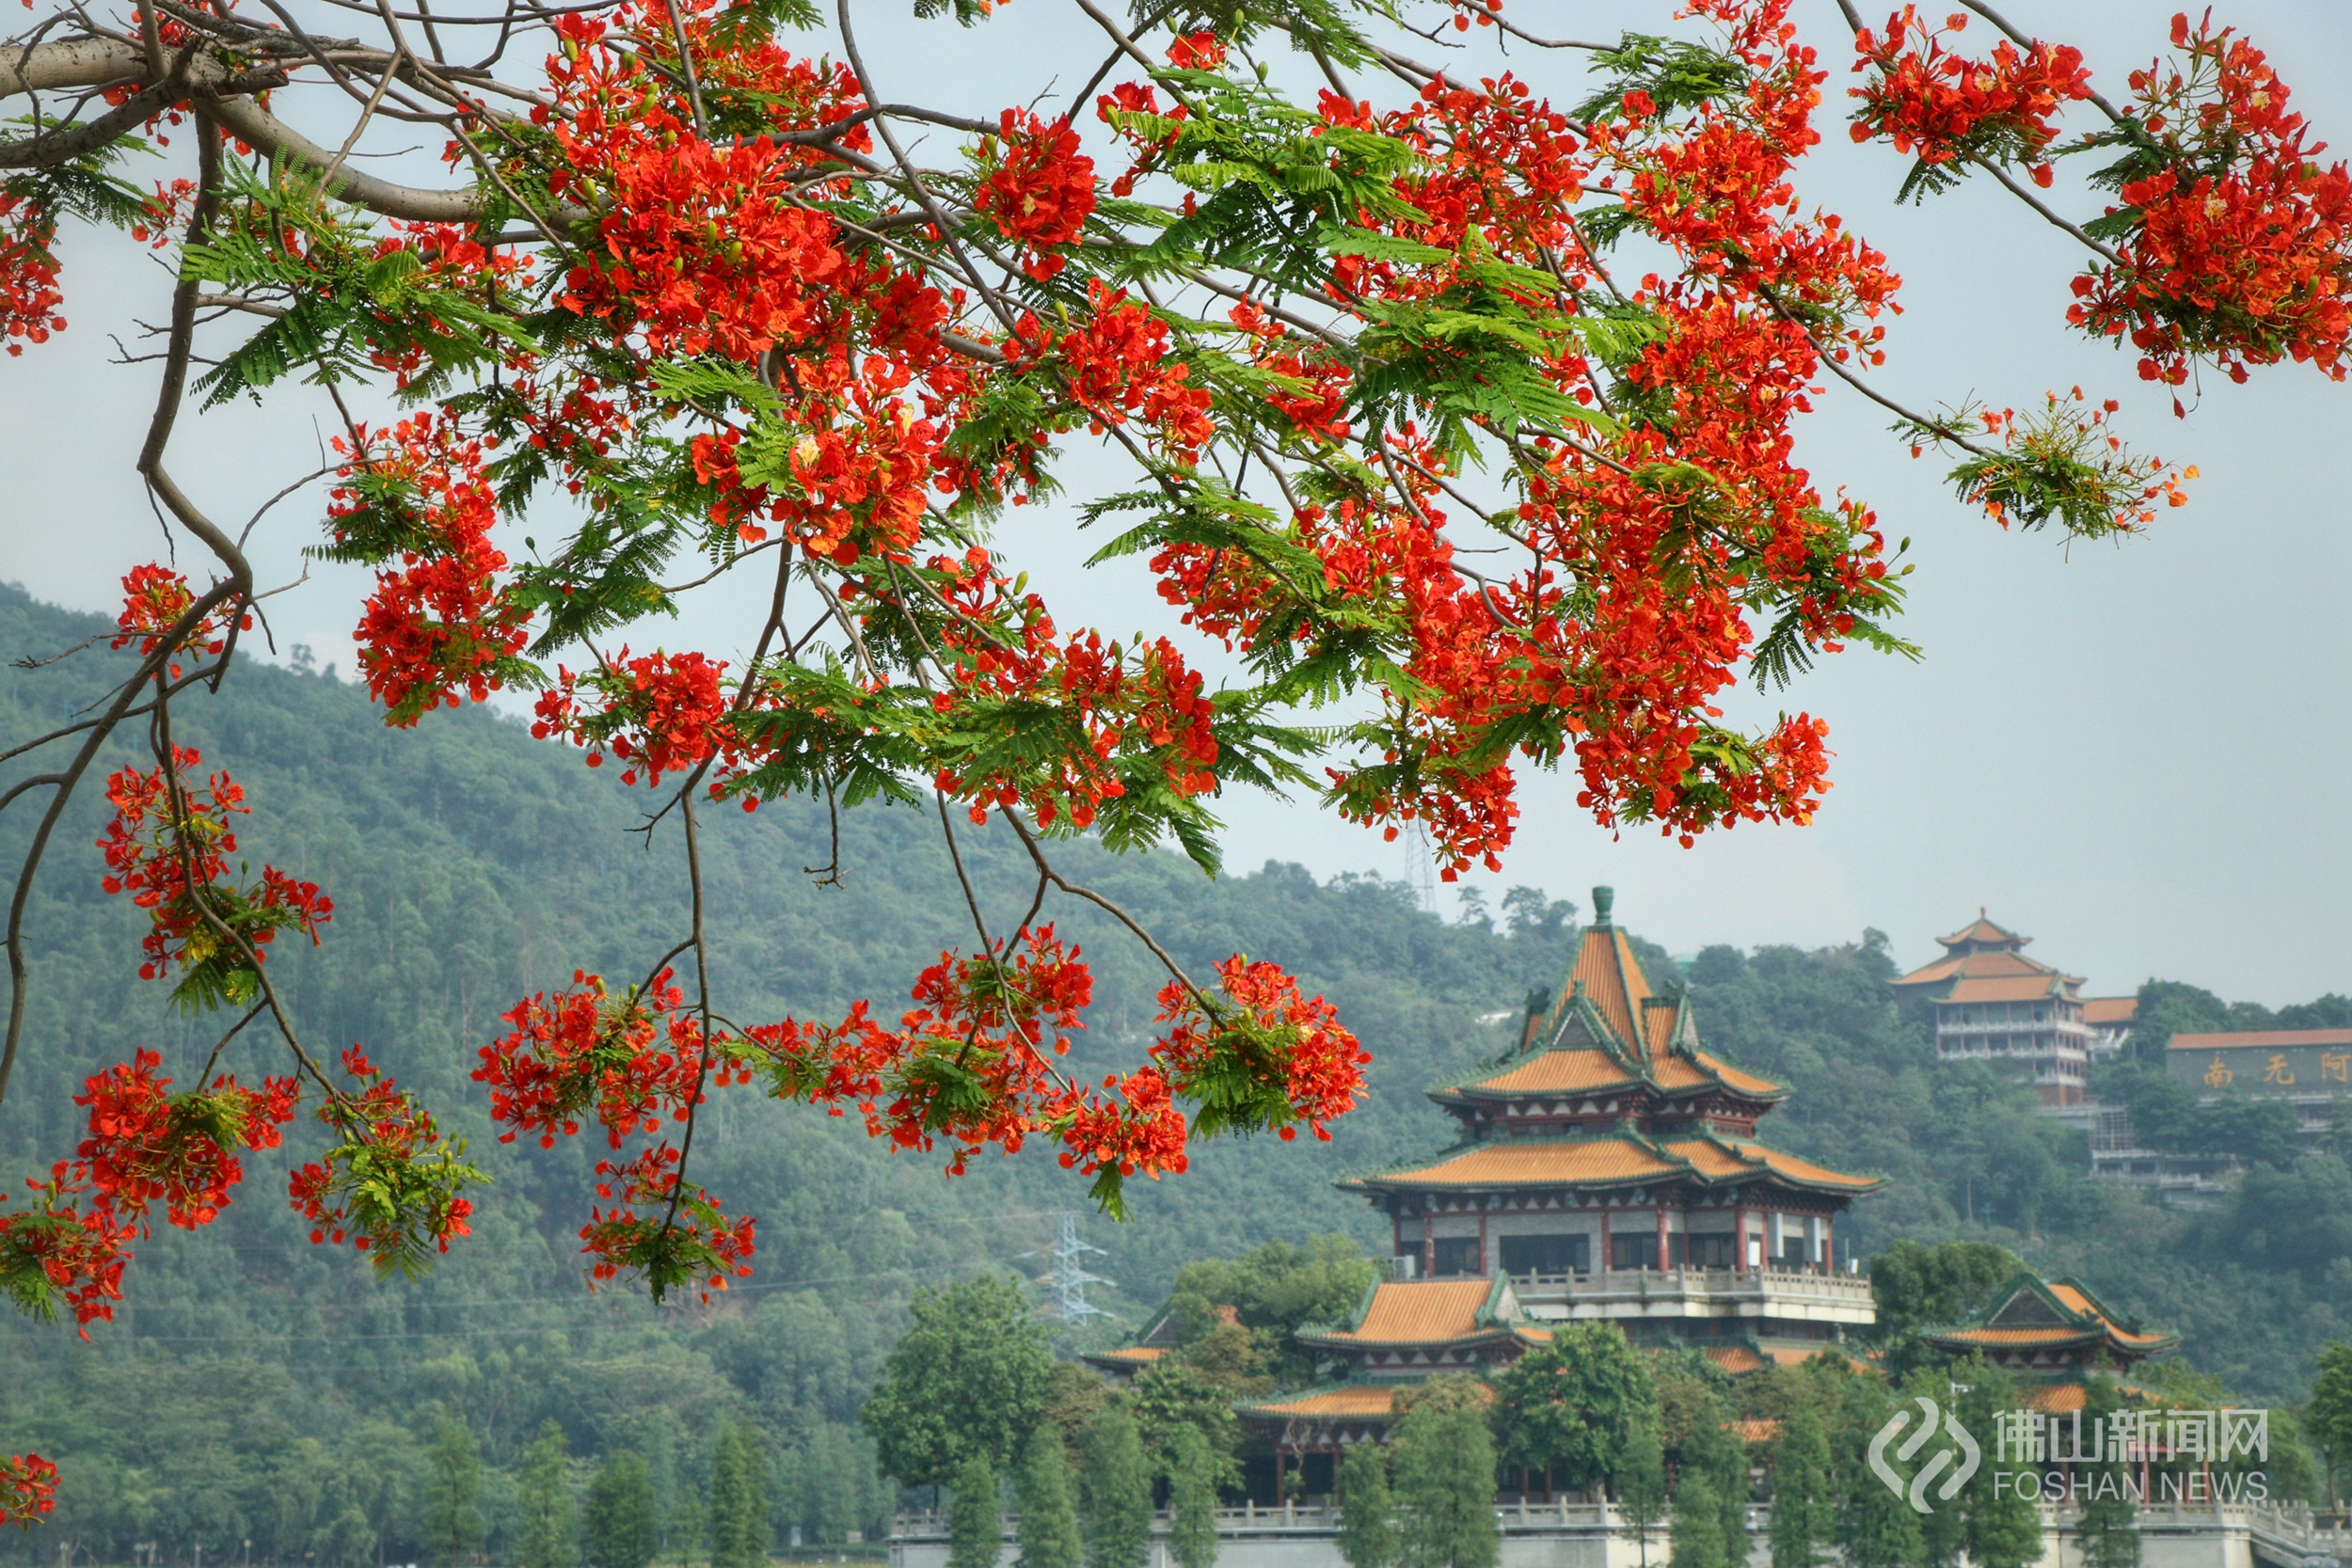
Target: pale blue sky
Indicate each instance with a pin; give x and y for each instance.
(2135, 752)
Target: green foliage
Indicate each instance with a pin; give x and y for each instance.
(2329, 1417)
(1114, 1492)
(1274, 1291)
(1049, 1520)
(1570, 1406)
(453, 1527)
(1804, 1509)
(2105, 1528)
(970, 1377)
(619, 1530)
(1368, 1532)
(1697, 1538)
(543, 1491)
(1676, 74)
(1172, 1399)
(1713, 1451)
(1914, 1287)
(1876, 1528)
(975, 1530)
(345, 303)
(739, 1499)
(1641, 1481)
(1445, 1469)
(1193, 1472)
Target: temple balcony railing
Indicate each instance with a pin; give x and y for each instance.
(1766, 1295)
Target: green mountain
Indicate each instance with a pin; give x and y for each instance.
(471, 865)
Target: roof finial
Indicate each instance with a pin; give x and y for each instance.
(1980, 912)
(1602, 898)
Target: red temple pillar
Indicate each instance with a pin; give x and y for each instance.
(1604, 1235)
(1662, 1236)
(1429, 1242)
(1486, 1264)
(1829, 1243)
(1740, 1240)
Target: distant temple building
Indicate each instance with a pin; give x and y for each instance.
(1992, 1003)
(1611, 1167)
(1608, 1170)
(2053, 1334)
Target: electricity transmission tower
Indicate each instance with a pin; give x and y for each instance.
(1065, 1284)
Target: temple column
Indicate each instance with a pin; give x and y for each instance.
(1486, 1264)
(1661, 1237)
(1829, 1243)
(1429, 1242)
(1605, 1264)
(1740, 1240)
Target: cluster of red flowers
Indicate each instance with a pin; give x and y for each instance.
(153, 598)
(660, 713)
(442, 624)
(2242, 248)
(1102, 697)
(169, 847)
(29, 1488)
(1939, 105)
(585, 1048)
(58, 1247)
(386, 1184)
(691, 1241)
(29, 295)
(146, 1145)
(1114, 365)
(1041, 193)
(1262, 1056)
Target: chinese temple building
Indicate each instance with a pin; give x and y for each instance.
(1610, 1169)
(2053, 1334)
(1992, 1003)
(1402, 1332)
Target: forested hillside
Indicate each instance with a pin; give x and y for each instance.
(254, 1387)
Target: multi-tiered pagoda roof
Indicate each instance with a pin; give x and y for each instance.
(1611, 1088)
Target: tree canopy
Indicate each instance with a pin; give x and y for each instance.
(969, 1379)
(1452, 406)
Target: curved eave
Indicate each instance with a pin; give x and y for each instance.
(1499, 1335)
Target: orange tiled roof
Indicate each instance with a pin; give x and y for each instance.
(1746, 1083)
(1787, 1164)
(1735, 1359)
(2110, 1010)
(1361, 1400)
(2271, 1039)
(1559, 1072)
(1612, 980)
(2055, 1333)
(1531, 1163)
(1969, 965)
(1420, 1311)
(1980, 929)
(2054, 1399)
(1140, 1356)
(2007, 988)
(1757, 1431)
(1710, 1158)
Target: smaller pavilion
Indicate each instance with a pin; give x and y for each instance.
(1401, 1333)
(2054, 1335)
(1992, 1003)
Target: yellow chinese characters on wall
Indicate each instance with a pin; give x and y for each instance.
(2277, 1071)
(2218, 1075)
(2335, 1066)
